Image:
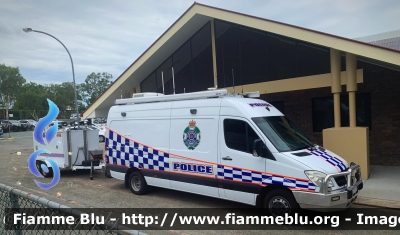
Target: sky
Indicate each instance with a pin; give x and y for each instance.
(109, 35)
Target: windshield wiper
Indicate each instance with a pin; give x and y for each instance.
(304, 147)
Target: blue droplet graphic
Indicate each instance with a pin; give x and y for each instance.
(44, 168)
(32, 162)
(56, 176)
(51, 132)
(44, 122)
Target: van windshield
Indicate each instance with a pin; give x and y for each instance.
(283, 134)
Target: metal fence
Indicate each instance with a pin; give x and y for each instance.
(33, 114)
(18, 200)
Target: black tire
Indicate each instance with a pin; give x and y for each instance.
(32, 127)
(279, 202)
(45, 175)
(48, 174)
(137, 183)
(101, 139)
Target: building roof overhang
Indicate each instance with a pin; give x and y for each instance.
(198, 15)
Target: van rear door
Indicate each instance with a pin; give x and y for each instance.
(141, 139)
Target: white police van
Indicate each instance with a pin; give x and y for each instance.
(225, 146)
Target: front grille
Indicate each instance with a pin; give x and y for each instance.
(341, 180)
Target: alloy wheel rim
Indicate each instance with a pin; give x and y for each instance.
(136, 185)
(279, 206)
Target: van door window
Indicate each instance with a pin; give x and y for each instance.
(239, 135)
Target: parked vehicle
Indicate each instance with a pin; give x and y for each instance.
(31, 124)
(4, 124)
(102, 134)
(17, 124)
(23, 126)
(12, 125)
(100, 120)
(61, 124)
(73, 116)
(1, 131)
(86, 122)
(225, 146)
(102, 131)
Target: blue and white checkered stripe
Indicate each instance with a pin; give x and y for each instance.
(122, 151)
(334, 161)
(232, 173)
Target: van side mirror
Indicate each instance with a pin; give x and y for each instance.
(260, 150)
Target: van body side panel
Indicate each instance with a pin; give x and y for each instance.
(193, 147)
(141, 140)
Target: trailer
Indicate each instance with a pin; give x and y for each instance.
(72, 148)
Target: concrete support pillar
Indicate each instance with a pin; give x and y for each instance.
(351, 143)
(351, 74)
(214, 53)
(336, 85)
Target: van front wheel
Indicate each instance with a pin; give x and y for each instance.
(279, 202)
(137, 183)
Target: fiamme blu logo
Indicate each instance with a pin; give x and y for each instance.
(45, 140)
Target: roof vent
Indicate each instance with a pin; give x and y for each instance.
(146, 94)
(254, 94)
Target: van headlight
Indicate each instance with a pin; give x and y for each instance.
(317, 177)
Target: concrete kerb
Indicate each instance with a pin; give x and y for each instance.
(377, 202)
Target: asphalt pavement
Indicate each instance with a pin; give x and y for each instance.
(76, 190)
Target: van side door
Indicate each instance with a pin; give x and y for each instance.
(194, 147)
(239, 172)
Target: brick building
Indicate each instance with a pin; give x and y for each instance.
(343, 93)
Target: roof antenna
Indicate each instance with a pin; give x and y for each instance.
(223, 65)
(173, 79)
(121, 93)
(162, 80)
(233, 82)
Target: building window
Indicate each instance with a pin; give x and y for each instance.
(164, 72)
(183, 69)
(149, 84)
(203, 77)
(191, 64)
(312, 59)
(323, 114)
(247, 56)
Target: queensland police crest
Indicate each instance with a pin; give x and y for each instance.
(191, 135)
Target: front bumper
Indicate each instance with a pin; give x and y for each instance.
(332, 200)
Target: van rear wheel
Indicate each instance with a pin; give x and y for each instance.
(45, 174)
(137, 183)
(279, 202)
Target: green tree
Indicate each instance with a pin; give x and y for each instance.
(10, 83)
(95, 84)
(80, 91)
(65, 97)
(33, 98)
